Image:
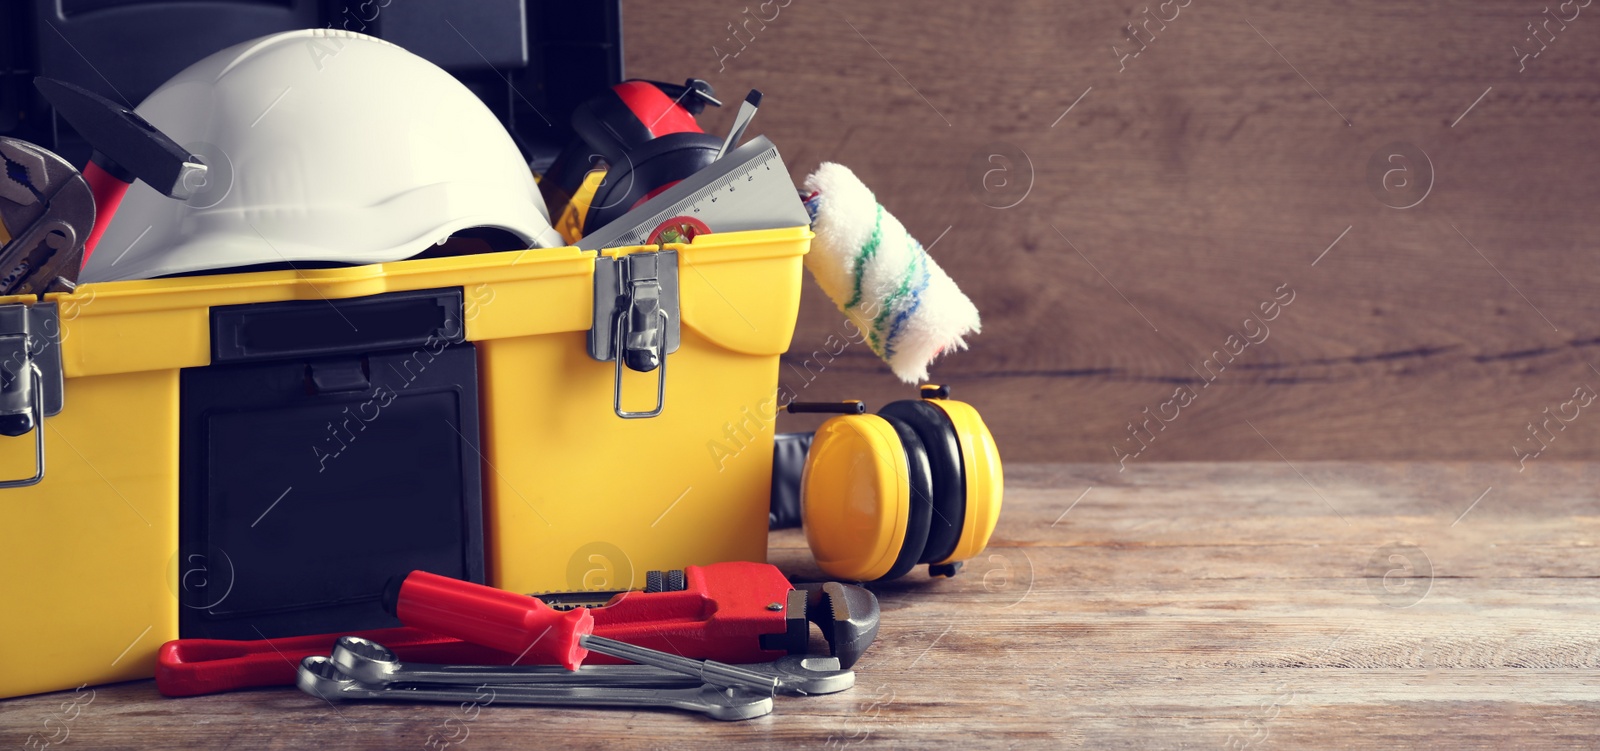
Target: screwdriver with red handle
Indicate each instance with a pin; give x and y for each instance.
(493, 618)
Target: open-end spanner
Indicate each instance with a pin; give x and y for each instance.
(374, 664)
(320, 677)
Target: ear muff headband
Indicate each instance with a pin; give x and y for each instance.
(985, 480)
(570, 223)
(949, 507)
(856, 499)
(642, 171)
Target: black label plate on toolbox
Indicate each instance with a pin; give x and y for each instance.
(303, 328)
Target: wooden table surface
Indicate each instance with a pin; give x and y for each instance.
(1206, 605)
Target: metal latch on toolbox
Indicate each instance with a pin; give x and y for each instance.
(636, 321)
(31, 382)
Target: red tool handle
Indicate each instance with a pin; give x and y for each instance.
(108, 191)
(193, 667)
(495, 618)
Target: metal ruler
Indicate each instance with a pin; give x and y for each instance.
(747, 189)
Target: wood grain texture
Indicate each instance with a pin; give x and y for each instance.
(1172, 605)
(1191, 181)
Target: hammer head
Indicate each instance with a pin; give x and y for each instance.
(134, 148)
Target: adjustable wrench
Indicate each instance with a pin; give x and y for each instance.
(374, 664)
(46, 214)
(320, 677)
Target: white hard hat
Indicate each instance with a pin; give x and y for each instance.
(322, 146)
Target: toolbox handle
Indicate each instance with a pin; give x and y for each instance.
(38, 433)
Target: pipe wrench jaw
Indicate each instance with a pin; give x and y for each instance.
(846, 614)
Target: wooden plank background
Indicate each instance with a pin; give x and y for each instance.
(1192, 181)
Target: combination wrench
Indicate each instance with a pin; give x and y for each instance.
(320, 677)
(375, 665)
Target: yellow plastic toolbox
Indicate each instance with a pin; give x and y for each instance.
(574, 495)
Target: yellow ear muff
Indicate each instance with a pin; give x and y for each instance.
(985, 480)
(855, 497)
(570, 223)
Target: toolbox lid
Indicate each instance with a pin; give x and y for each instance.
(736, 293)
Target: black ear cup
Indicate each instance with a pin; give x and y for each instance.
(643, 170)
(937, 435)
(921, 509)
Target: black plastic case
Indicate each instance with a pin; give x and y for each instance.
(330, 446)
